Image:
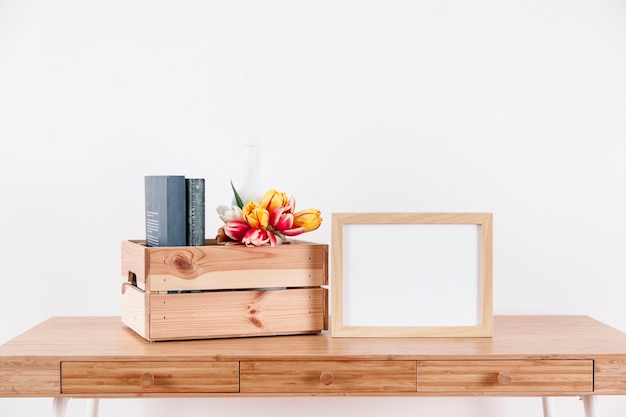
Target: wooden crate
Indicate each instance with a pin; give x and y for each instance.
(216, 291)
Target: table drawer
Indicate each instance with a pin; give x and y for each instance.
(609, 376)
(119, 377)
(515, 376)
(327, 376)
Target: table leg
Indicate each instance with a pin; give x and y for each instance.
(548, 407)
(59, 406)
(92, 407)
(589, 401)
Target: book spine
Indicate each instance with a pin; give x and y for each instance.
(195, 211)
(166, 214)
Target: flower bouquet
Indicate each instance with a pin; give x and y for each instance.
(268, 222)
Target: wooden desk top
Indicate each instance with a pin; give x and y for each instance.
(30, 364)
(520, 337)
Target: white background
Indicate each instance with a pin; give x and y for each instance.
(512, 107)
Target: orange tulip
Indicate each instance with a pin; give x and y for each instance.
(256, 216)
(309, 219)
(273, 199)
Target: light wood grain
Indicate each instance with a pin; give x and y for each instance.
(216, 291)
(214, 267)
(515, 337)
(219, 314)
(171, 377)
(25, 376)
(557, 349)
(135, 309)
(236, 313)
(506, 376)
(328, 376)
(610, 376)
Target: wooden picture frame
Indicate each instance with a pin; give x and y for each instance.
(411, 275)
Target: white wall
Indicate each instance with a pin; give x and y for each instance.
(513, 107)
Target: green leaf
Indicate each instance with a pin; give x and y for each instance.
(237, 197)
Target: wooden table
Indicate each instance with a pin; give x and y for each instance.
(98, 357)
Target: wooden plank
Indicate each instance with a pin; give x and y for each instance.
(135, 309)
(135, 263)
(505, 376)
(29, 377)
(213, 267)
(29, 364)
(149, 377)
(515, 337)
(328, 377)
(236, 313)
(609, 376)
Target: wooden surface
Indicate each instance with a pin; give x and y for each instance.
(213, 267)
(528, 355)
(214, 314)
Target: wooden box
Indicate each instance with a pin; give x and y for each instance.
(216, 291)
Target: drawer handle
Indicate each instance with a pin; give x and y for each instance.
(146, 379)
(327, 378)
(504, 378)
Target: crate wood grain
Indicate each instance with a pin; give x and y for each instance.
(215, 267)
(215, 291)
(224, 313)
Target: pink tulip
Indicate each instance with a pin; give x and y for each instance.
(281, 219)
(294, 231)
(236, 229)
(258, 237)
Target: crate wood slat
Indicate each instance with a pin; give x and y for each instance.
(224, 314)
(294, 264)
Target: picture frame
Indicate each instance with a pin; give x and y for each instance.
(412, 275)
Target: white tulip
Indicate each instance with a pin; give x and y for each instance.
(228, 214)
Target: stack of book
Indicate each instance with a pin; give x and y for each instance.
(175, 213)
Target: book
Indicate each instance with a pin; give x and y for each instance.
(195, 211)
(166, 213)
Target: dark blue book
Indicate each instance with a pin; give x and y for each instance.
(166, 211)
(195, 211)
